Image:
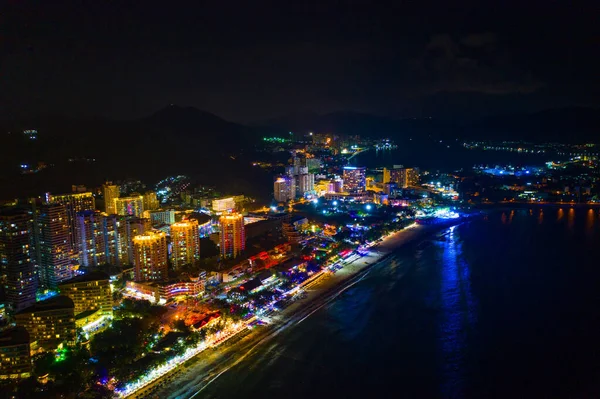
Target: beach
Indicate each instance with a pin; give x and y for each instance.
(189, 379)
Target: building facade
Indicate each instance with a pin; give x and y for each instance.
(150, 201)
(110, 192)
(162, 217)
(305, 184)
(90, 291)
(284, 188)
(232, 238)
(74, 203)
(185, 243)
(223, 204)
(150, 256)
(15, 357)
(354, 179)
(50, 322)
(90, 227)
(51, 243)
(129, 206)
(17, 272)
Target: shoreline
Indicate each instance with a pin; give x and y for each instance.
(192, 377)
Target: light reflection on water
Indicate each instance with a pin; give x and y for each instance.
(459, 315)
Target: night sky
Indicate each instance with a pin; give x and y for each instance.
(251, 61)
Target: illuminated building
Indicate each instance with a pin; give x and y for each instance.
(412, 177)
(15, 357)
(132, 206)
(403, 177)
(110, 192)
(90, 233)
(160, 217)
(335, 186)
(50, 322)
(161, 292)
(305, 184)
(112, 239)
(31, 134)
(354, 179)
(293, 227)
(284, 189)
(74, 203)
(16, 267)
(185, 243)
(90, 291)
(128, 228)
(52, 244)
(150, 201)
(232, 238)
(150, 256)
(223, 204)
(372, 185)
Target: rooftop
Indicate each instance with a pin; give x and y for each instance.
(84, 278)
(14, 336)
(56, 302)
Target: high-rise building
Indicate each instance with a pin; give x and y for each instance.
(284, 188)
(354, 179)
(16, 267)
(305, 183)
(185, 243)
(110, 192)
(90, 291)
(403, 177)
(50, 322)
(150, 256)
(128, 229)
(15, 357)
(232, 237)
(132, 206)
(90, 227)
(74, 203)
(112, 239)
(150, 201)
(51, 243)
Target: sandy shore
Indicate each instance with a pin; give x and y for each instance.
(189, 379)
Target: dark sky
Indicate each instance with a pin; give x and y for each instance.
(253, 60)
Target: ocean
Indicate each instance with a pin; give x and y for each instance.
(445, 156)
(503, 307)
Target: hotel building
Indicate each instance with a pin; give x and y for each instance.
(150, 256)
(15, 357)
(354, 179)
(17, 272)
(111, 192)
(90, 291)
(185, 243)
(232, 237)
(50, 322)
